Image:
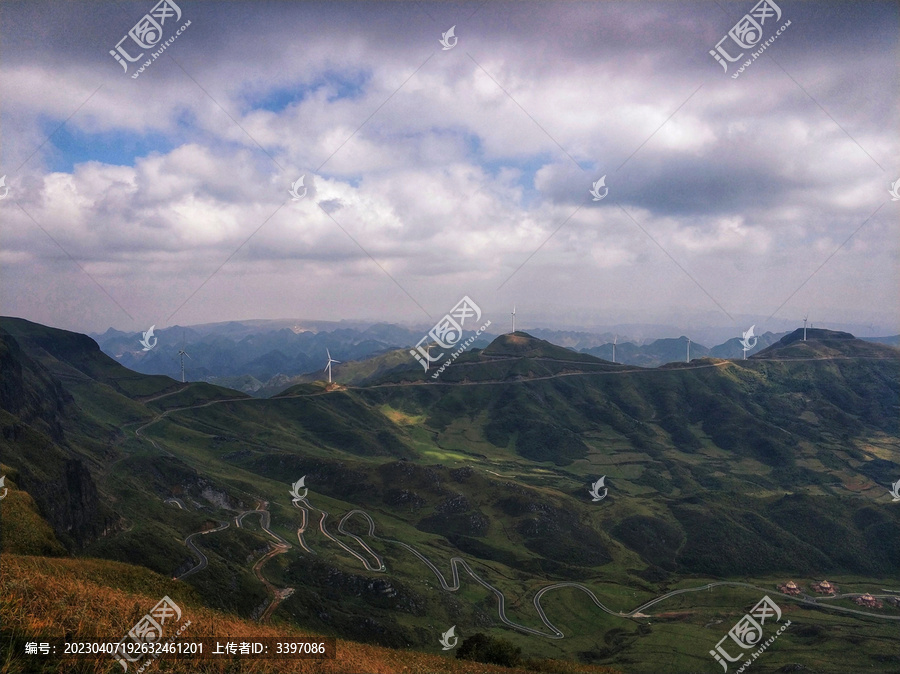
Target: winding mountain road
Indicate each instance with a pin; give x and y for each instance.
(308, 506)
(302, 529)
(303, 504)
(555, 633)
(204, 562)
(176, 501)
(281, 547)
(265, 520)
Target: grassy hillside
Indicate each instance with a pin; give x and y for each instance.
(350, 373)
(87, 598)
(22, 529)
(787, 455)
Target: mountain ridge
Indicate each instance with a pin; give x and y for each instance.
(263, 357)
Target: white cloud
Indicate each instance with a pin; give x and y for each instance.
(434, 178)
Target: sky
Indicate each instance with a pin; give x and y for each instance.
(434, 170)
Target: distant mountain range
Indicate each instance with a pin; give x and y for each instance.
(252, 355)
(264, 357)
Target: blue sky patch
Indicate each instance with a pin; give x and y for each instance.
(341, 85)
(71, 146)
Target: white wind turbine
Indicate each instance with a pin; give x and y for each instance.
(804, 325)
(514, 318)
(615, 340)
(688, 350)
(181, 354)
(330, 361)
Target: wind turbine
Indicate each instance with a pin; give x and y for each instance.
(182, 353)
(688, 350)
(514, 318)
(330, 361)
(615, 339)
(804, 325)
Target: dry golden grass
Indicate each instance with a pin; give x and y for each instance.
(24, 531)
(47, 597)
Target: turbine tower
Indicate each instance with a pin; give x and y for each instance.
(514, 318)
(688, 350)
(804, 325)
(330, 361)
(615, 339)
(182, 353)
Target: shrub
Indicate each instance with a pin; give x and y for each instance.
(496, 651)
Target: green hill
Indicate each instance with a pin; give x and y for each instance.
(787, 454)
(821, 343)
(354, 373)
(522, 345)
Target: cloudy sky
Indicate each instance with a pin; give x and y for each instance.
(433, 173)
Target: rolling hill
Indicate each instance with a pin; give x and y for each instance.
(788, 454)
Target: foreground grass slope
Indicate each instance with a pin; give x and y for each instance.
(87, 598)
